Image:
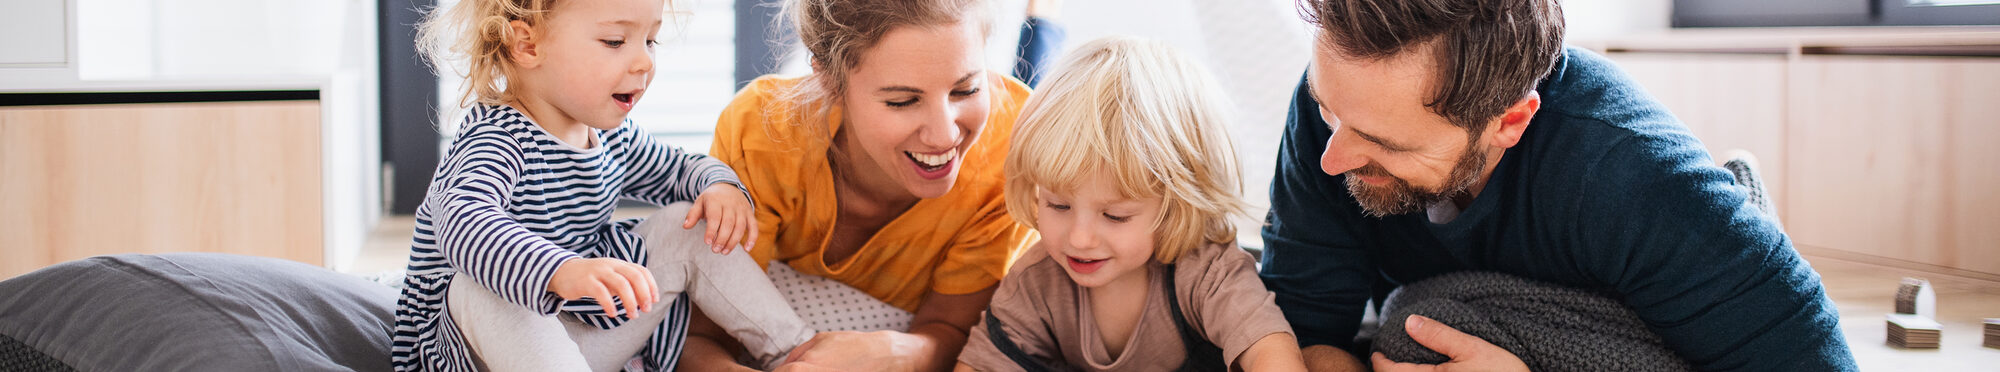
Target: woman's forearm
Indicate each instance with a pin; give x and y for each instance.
(944, 341)
(700, 354)
(944, 321)
(708, 347)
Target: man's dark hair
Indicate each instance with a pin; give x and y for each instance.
(1489, 53)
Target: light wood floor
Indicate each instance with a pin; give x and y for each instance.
(1862, 291)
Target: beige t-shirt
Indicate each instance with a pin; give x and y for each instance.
(1048, 315)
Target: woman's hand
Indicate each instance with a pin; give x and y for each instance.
(602, 278)
(864, 351)
(937, 333)
(731, 220)
(803, 367)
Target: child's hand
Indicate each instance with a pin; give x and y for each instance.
(731, 221)
(602, 278)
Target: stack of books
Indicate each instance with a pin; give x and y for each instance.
(1911, 326)
(1906, 295)
(1911, 331)
(1992, 333)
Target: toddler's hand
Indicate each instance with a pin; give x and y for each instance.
(602, 278)
(731, 221)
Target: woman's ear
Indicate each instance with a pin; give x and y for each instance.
(521, 45)
(1513, 122)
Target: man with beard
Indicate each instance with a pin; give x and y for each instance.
(1437, 136)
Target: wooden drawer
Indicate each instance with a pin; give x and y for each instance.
(233, 177)
(1897, 157)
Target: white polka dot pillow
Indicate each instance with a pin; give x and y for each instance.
(829, 305)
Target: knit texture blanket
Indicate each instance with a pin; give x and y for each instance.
(18, 356)
(1550, 327)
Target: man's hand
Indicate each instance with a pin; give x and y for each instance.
(732, 221)
(1467, 353)
(602, 278)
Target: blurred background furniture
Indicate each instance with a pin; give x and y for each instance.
(152, 126)
(160, 176)
(1879, 144)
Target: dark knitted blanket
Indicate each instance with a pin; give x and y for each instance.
(1550, 327)
(17, 356)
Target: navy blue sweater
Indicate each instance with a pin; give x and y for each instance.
(1606, 191)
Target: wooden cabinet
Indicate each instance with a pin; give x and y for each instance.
(234, 177)
(1898, 157)
(1880, 145)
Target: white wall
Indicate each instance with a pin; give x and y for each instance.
(353, 144)
(1599, 19)
(116, 35)
(225, 39)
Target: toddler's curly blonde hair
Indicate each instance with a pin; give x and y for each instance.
(472, 35)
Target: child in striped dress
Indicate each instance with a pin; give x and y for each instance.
(516, 264)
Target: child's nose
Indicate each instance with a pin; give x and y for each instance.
(643, 64)
(1083, 236)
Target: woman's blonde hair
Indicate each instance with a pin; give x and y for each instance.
(472, 35)
(1143, 114)
(836, 32)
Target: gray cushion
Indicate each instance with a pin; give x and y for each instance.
(199, 312)
(1550, 327)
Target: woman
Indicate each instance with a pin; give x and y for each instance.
(880, 170)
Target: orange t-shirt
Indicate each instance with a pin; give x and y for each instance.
(958, 243)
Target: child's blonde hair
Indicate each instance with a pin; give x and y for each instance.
(475, 33)
(1143, 114)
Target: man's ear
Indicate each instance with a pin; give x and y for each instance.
(1507, 131)
(521, 44)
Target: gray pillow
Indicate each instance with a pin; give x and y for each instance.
(199, 312)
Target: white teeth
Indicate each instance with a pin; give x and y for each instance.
(938, 160)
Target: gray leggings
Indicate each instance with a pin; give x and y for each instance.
(730, 289)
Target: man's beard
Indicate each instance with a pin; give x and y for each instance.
(1399, 197)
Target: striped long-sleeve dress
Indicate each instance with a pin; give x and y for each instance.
(510, 203)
